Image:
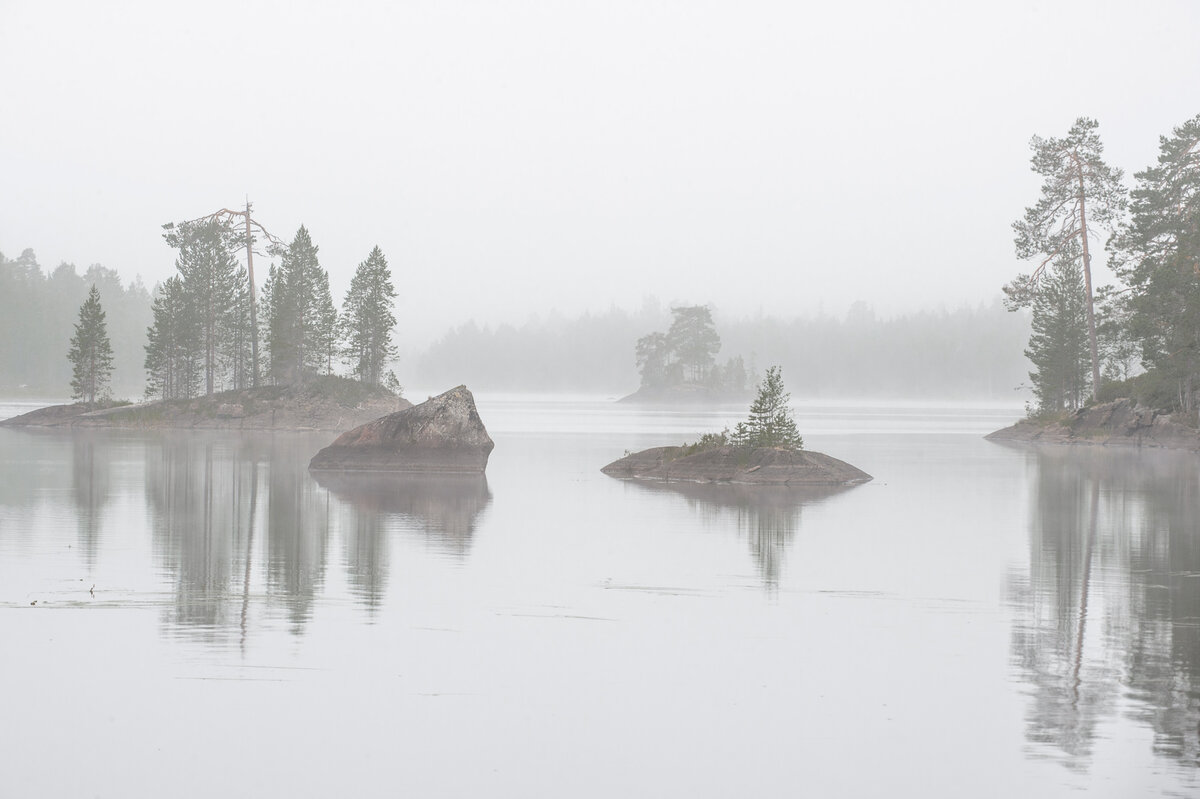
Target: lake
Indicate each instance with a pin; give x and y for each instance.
(193, 615)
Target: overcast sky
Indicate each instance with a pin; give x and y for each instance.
(513, 157)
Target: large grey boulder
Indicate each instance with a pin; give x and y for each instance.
(442, 434)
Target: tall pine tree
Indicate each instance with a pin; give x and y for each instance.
(91, 352)
(1079, 192)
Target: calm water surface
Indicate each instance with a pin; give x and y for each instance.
(194, 615)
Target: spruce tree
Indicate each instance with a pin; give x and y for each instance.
(367, 318)
(91, 352)
(1059, 347)
(299, 322)
(173, 360)
(771, 423)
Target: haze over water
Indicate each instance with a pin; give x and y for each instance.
(979, 620)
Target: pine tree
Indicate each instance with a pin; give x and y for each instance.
(1059, 347)
(367, 318)
(1079, 192)
(90, 353)
(771, 423)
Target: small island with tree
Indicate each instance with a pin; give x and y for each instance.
(680, 365)
(765, 449)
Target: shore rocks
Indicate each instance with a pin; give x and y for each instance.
(319, 403)
(442, 434)
(754, 466)
(1116, 423)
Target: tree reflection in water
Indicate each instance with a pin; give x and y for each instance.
(1108, 618)
(245, 530)
(90, 487)
(769, 516)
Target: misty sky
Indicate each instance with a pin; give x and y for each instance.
(512, 157)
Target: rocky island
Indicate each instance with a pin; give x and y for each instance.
(1121, 422)
(774, 466)
(321, 403)
(442, 434)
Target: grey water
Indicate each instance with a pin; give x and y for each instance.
(194, 615)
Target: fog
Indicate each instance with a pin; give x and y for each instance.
(522, 158)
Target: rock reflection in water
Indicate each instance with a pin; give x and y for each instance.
(1111, 603)
(445, 508)
(768, 516)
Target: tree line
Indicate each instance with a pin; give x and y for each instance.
(966, 352)
(1141, 336)
(197, 334)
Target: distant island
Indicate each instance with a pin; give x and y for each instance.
(321, 403)
(680, 366)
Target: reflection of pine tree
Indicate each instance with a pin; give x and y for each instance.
(1111, 602)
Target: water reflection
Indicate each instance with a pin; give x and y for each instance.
(1109, 613)
(442, 510)
(90, 485)
(768, 516)
(243, 529)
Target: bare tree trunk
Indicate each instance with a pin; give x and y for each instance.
(1087, 282)
(253, 302)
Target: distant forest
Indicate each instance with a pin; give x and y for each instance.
(970, 352)
(38, 312)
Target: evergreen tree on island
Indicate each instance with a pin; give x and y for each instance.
(367, 318)
(91, 352)
(771, 423)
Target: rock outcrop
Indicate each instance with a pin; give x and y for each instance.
(755, 466)
(442, 434)
(1116, 423)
